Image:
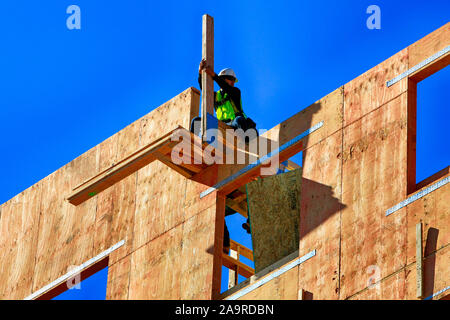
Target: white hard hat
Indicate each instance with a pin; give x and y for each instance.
(228, 72)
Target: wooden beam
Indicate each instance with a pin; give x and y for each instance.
(243, 269)
(244, 251)
(207, 105)
(419, 261)
(233, 273)
(237, 207)
(128, 165)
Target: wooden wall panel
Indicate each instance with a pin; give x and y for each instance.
(177, 111)
(283, 287)
(321, 204)
(328, 109)
(197, 256)
(436, 275)
(116, 205)
(18, 243)
(156, 267)
(392, 287)
(369, 91)
(433, 210)
(119, 279)
(429, 45)
(66, 232)
(115, 217)
(374, 179)
(155, 213)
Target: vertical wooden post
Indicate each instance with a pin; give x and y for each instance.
(419, 261)
(207, 81)
(233, 274)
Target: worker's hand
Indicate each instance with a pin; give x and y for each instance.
(201, 66)
(208, 69)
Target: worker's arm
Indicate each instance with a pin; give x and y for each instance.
(235, 93)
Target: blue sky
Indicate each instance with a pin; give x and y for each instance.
(65, 91)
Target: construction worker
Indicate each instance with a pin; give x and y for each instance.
(227, 101)
(228, 108)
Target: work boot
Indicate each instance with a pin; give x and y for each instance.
(246, 226)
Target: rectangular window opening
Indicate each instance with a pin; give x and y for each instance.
(89, 284)
(428, 128)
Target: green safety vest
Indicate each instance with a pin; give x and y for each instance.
(225, 107)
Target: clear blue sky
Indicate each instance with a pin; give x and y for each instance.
(65, 91)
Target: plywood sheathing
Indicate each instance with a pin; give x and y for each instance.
(369, 91)
(119, 279)
(320, 221)
(283, 287)
(374, 179)
(18, 243)
(429, 45)
(274, 210)
(66, 232)
(433, 210)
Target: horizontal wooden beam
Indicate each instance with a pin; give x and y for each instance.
(242, 269)
(244, 251)
(240, 208)
(132, 163)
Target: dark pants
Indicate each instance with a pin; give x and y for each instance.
(239, 122)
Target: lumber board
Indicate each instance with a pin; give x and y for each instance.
(129, 165)
(274, 211)
(419, 261)
(207, 81)
(242, 268)
(244, 251)
(233, 275)
(119, 171)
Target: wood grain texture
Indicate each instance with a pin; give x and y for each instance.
(197, 256)
(207, 81)
(374, 179)
(321, 205)
(429, 45)
(369, 91)
(274, 211)
(283, 287)
(118, 279)
(18, 243)
(156, 267)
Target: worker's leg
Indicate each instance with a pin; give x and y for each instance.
(246, 226)
(196, 124)
(226, 239)
(245, 124)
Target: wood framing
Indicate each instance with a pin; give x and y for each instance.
(158, 150)
(207, 82)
